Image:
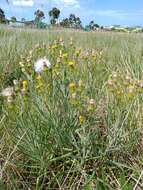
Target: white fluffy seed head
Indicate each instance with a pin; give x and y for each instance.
(41, 64)
(9, 91)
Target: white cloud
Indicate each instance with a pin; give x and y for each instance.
(71, 3)
(23, 3)
(60, 3)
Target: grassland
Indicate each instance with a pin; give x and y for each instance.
(64, 136)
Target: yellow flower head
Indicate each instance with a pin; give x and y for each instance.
(71, 63)
(25, 84)
(64, 55)
(54, 46)
(60, 54)
(38, 77)
(72, 87)
(81, 119)
(40, 86)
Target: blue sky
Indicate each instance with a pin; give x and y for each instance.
(104, 12)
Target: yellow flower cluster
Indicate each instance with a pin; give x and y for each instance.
(124, 87)
(77, 98)
(47, 68)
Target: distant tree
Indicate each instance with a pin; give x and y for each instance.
(39, 15)
(53, 21)
(23, 20)
(78, 23)
(93, 26)
(65, 22)
(2, 16)
(86, 28)
(96, 26)
(72, 20)
(54, 15)
(13, 19)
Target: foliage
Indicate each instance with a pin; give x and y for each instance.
(23, 19)
(13, 19)
(39, 15)
(93, 26)
(2, 16)
(72, 22)
(54, 15)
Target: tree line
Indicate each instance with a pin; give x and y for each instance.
(71, 22)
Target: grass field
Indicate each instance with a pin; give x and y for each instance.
(78, 124)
